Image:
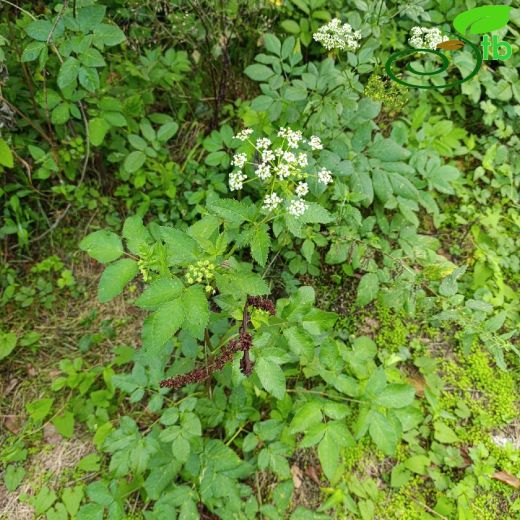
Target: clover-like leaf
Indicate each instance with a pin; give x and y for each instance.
(483, 19)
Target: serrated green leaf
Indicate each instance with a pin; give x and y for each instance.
(260, 244)
(115, 277)
(271, 376)
(135, 234)
(158, 292)
(104, 246)
(196, 311)
(396, 396)
(382, 433)
(160, 326)
(367, 289)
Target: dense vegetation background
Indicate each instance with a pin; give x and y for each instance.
(354, 354)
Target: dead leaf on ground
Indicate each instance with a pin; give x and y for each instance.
(418, 382)
(311, 472)
(13, 423)
(507, 478)
(296, 475)
(50, 434)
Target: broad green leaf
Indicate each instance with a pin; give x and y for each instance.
(135, 234)
(89, 17)
(64, 424)
(271, 376)
(89, 78)
(40, 30)
(382, 186)
(317, 321)
(99, 493)
(98, 129)
(300, 342)
(258, 72)
(58, 512)
(90, 512)
(443, 433)
(260, 244)
(388, 150)
(290, 26)
(109, 35)
(104, 246)
(167, 131)
(160, 326)
(232, 210)
(382, 433)
(449, 285)
(7, 343)
(13, 476)
(158, 292)
(6, 156)
(181, 247)
(196, 311)
(417, 464)
(72, 498)
(367, 289)
(272, 43)
(43, 500)
(134, 160)
(316, 214)
(361, 183)
(402, 186)
(328, 453)
(241, 283)
(39, 409)
(68, 73)
(115, 277)
(32, 51)
(396, 396)
(306, 416)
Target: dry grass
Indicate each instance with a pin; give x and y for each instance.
(26, 375)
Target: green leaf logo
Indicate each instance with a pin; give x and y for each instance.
(481, 20)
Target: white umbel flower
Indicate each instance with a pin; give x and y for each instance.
(236, 180)
(335, 35)
(239, 159)
(303, 160)
(263, 143)
(271, 202)
(315, 143)
(302, 189)
(297, 207)
(289, 157)
(324, 176)
(283, 171)
(244, 134)
(424, 38)
(268, 155)
(293, 138)
(263, 171)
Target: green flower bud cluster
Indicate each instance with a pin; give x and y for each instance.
(201, 272)
(392, 95)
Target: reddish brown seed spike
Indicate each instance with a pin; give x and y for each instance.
(450, 45)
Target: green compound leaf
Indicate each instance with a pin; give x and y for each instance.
(483, 19)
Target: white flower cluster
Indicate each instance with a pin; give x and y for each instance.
(335, 35)
(424, 38)
(281, 166)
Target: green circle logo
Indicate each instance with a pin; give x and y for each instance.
(443, 67)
